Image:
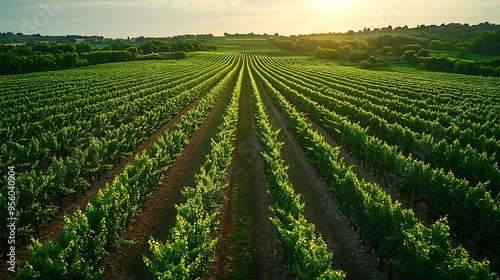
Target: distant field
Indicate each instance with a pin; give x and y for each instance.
(472, 56)
(245, 43)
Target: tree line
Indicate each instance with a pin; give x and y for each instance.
(385, 49)
(47, 57)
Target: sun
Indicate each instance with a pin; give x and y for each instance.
(330, 3)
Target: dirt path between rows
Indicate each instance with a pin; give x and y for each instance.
(51, 230)
(349, 252)
(254, 252)
(158, 213)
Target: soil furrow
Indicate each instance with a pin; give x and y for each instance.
(253, 250)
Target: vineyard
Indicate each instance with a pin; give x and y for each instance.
(244, 164)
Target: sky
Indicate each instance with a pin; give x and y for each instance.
(161, 18)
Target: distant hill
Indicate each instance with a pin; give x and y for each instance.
(16, 38)
(456, 31)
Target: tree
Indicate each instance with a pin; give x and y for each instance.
(486, 43)
(66, 48)
(386, 49)
(358, 55)
(180, 55)
(436, 45)
(373, 60)
(44, 62)
(364, 64)
(121, 46)
(384, 40)
(423, 53)
(83, 47)
(164, 47)
(133, 52)
(410, 56)
(10, 62)
(463, 53)
(24, 50)
(327, 53)
(346, 49)
(372, 50)
(183, 45)
(154, 46)
(148, 47)
(43, 48)
(362, 45)
(67, 60)
(414, 47)
(436, 63)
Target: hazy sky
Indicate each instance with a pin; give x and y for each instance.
(122, 18)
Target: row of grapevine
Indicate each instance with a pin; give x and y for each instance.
(89, 235)
(35, 145)
(40, 194)
(396, 235)
(465, 163)
(28, 98)
(474, 120)
(473, 108)
(440, 126)
(88, 101)
(61, 98)
(465, 100)
(186, 254)
(472, 212)
(309, 256)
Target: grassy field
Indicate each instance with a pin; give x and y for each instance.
(247, 43)
(471, 56)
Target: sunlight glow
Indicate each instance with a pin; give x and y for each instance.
(330, 3)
